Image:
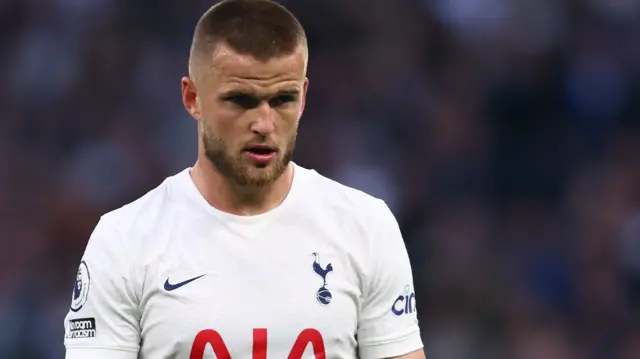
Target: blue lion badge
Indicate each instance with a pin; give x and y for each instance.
(81, 287)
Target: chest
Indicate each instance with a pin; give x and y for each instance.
(233, 295)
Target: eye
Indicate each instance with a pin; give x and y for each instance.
(244, 101)
(281, 100)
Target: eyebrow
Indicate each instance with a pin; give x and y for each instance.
(284, 92)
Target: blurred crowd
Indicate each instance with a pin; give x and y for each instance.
(504, 135)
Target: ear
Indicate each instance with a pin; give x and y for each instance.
(303, 97)
(190, 98)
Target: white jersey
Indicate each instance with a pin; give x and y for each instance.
(324, 275)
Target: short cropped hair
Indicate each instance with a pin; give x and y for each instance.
(262, 29)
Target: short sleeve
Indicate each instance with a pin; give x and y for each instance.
(388, 323)
(103, 318)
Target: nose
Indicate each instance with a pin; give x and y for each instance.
(265, 121)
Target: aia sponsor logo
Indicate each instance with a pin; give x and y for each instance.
(210, 337)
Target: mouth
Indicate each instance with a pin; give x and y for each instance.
(260, 149)
(261, 153)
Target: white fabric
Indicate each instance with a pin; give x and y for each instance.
(257, 272)
(98, 353)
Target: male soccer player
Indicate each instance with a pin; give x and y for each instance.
(246, 254)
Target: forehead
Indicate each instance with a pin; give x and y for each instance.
(229, 68)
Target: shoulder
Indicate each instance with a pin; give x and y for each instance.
(146, 210)
(355, 218)
(333, 196)
(129, 228)
(361, 225)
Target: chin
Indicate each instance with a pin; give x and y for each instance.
(256, 175)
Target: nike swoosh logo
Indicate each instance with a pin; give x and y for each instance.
(169, 287)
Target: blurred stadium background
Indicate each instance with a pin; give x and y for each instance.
(504, 134)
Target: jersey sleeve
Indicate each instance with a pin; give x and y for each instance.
(388, 323)
(103, 318)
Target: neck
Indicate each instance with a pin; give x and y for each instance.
(227, 196)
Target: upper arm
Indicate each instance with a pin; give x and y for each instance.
(388, 323)
(103, 318)
(418, 354)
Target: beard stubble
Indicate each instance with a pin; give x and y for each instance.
(242, 172)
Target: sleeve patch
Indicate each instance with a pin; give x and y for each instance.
(405, 303)
(81, 328)
(81, 287)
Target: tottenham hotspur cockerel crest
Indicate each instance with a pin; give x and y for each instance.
(323, 295)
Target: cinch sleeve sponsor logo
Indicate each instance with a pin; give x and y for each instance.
(405, 303)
